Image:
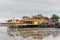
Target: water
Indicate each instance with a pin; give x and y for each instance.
(7, 33)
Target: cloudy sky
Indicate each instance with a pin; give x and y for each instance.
(19, 8)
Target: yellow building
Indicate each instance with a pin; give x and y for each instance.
(35, 20)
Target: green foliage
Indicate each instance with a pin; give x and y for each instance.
(54, 16)
(46, 18)
(10, 20)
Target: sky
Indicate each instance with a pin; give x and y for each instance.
(19, 8)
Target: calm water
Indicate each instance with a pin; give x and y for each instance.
(27, 33)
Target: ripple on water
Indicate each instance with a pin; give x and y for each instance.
(29, 34)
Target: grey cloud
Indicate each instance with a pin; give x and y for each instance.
(19, 8)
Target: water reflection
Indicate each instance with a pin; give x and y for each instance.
(27, 33)
(35, 33)
(3, 33)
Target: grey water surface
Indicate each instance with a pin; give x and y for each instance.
(7, 33)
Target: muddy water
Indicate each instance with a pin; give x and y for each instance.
(27, 33)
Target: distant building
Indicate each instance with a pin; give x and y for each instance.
(34, 20)
(27, 20)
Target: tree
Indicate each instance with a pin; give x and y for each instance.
(54, 16)
(25, 17)
(46, 18)
(10, 20)
(38, 16)
(17, 20)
